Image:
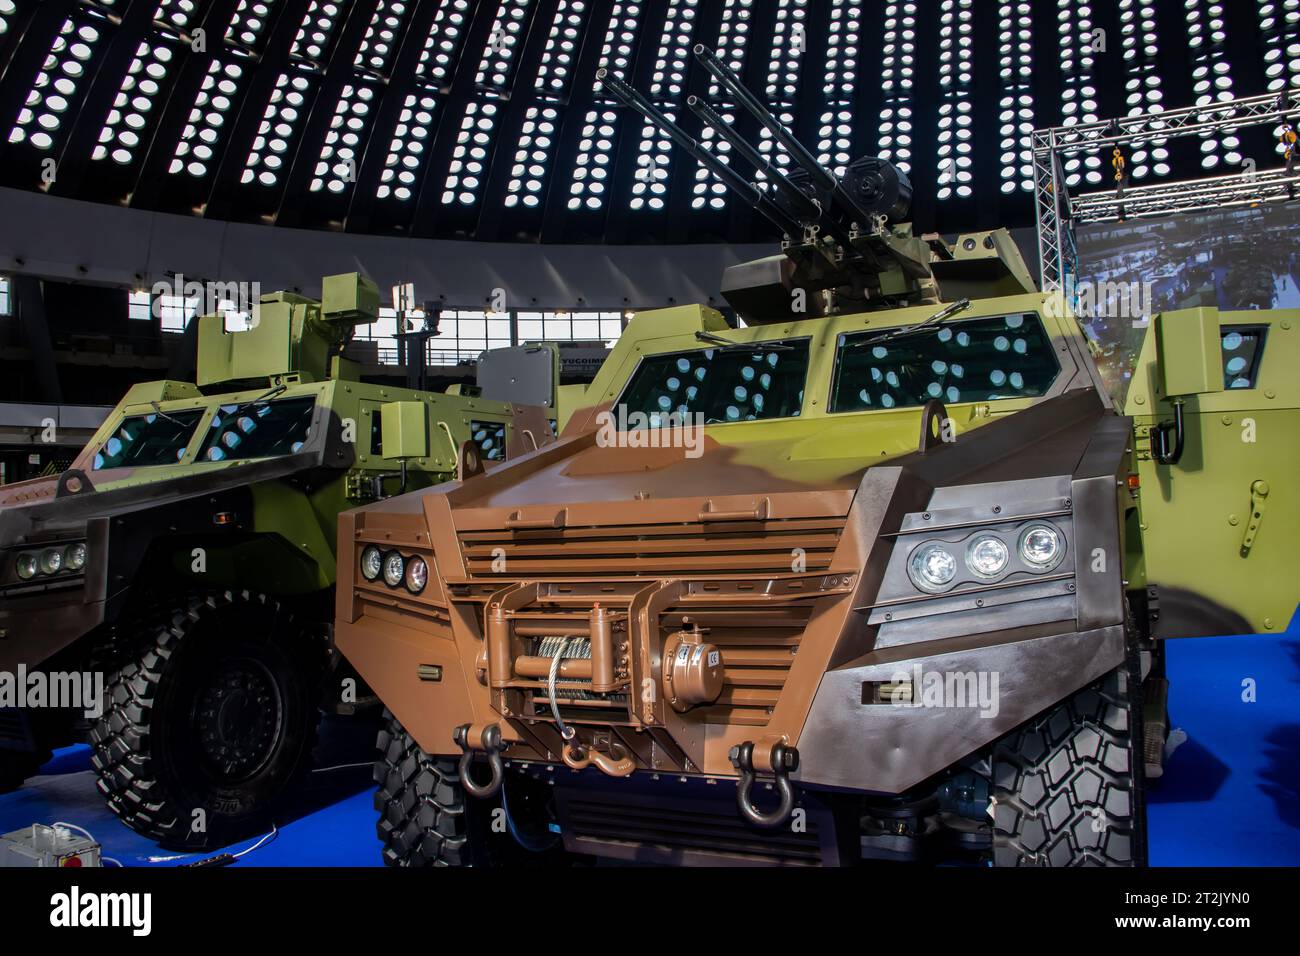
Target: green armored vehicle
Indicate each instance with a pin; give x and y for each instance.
(187, 558)
(1217, 457)
(859, 579)
(875, 576)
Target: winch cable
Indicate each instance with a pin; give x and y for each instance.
(567, 733)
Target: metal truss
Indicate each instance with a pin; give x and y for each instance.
(1164, 199)
(1057, 214)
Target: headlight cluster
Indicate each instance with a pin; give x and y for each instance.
(50, 561)
(987, 556)
(396, 570)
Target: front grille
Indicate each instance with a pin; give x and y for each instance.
(775, 546)
(652, 829)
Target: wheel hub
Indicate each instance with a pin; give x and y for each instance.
(238, 719)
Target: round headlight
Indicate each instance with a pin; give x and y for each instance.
(394, 569)
(74, 557)
(417, 575)
(932, 567)
(987, 556)
(1040, 547)
(372, 562)
(26, 566)
(51, 561)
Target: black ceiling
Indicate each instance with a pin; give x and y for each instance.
(353, 116)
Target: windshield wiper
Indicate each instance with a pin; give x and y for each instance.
(729, 346)
(158, 411)
(260, 399)
(933, 322)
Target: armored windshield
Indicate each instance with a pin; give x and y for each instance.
(975, 360)
(259, 430)
(143, 440)
(742, 383)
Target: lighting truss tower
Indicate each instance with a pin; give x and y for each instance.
(1057, 213)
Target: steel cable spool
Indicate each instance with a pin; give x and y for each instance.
(560, 649)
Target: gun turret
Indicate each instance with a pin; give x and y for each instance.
(293, 336)
(746, 190)
(845, 246)
(799, 200)
(820, 176)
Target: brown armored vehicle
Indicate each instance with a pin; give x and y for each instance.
(850, 582)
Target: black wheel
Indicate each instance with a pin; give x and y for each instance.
(1067, 785)
(427, 819)
(209, 728)
(423, 817)
(17, 766)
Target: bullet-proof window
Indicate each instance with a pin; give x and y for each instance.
(143, 440)
(1243, 348)
(258, 430)
(725, 384)
(976, 360)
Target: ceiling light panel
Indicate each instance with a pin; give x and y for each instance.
(1211, 76)
(955, 134)
(784, 71)
(839, 84)
(1075, 26)
(44, 120)
(1139, 41)
(897, 78)
(667, 85)
(732, 47)
(539, 134)
(1016, 105)
(589, 186)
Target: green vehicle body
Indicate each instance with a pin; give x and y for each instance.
(1219, 526)
(212, 507)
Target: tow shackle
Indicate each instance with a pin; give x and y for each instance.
(490, 743)
(784, 761)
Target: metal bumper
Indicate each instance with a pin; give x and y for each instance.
(36, 626)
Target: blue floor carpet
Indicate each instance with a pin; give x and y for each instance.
(1230, 795)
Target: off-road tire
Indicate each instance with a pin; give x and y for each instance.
(423, 816)
(16, 767)
(1067, 785)
(160, 749)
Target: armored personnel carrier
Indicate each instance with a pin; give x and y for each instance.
(188, 557)
(1216, 454)
(861, 579)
